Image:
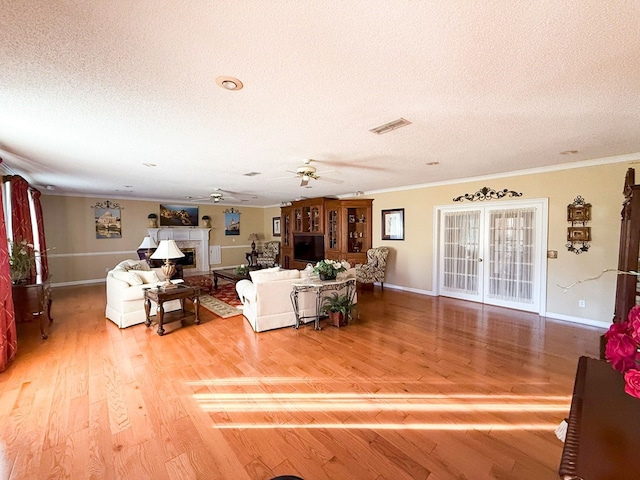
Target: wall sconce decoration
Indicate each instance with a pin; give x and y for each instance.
(578, 214)
(486, 193)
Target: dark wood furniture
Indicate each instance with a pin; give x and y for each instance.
(603, 430)
(345, 224)
(627, 294)
(161, 295)
(228, 274)
(33, 300)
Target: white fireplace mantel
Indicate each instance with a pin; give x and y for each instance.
(189, 236)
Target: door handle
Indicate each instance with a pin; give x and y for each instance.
(479, 260)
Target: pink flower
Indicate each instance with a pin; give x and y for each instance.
(621, 352)
(617, 328)
(634, 323)
(632, 383)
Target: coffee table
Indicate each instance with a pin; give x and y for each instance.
(230, 275)
(161, 295)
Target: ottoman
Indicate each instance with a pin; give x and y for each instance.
(203, 281)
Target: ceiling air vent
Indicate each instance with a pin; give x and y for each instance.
(387, 127)
(251, 174)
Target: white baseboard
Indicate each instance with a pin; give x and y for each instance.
(79, 282)
(587, 322)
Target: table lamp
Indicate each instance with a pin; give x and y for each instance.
(167, 250)
(147, 244)
(253, 237)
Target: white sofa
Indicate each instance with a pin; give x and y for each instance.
(125, 292)
(266, 298)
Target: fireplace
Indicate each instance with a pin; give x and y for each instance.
(193, 242)
(189, 259)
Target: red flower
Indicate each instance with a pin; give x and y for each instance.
(617, 328)
(621, 352)
(632, 383)
(634, 323)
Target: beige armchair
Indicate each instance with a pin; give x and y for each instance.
(269, 255)
(374, 269)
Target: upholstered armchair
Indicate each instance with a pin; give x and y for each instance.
(269, 255)
(374, 269)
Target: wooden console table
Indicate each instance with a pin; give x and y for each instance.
(33, 300)
(603, 432)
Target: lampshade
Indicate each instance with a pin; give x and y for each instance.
(167, 249)
(253, 236)
(148, 243)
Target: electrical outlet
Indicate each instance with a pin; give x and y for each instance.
(582, 303)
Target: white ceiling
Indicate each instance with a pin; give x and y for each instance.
(92, 89)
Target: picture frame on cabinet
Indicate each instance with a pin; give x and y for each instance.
(393, 224)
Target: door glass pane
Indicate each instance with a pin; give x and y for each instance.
(460, 251)
(512, 255)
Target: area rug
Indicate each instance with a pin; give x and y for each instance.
(227, 294)
(218, 307)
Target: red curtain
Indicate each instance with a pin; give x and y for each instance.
(40, 224)
(20, 212)
(8, 338)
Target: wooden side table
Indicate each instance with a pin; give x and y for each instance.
(33, 300)
(161, 295)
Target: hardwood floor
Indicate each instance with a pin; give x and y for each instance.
(416, 388)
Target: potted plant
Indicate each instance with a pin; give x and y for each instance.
(21, 260)
(339, 308)
(329, 269)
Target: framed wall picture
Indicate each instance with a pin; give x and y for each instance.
(393, 224)
(579, 234)
(231, 222)
(275, 221)
(108, 223)
(178, 216)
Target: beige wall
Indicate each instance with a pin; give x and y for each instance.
(79, 256)
(411, 261)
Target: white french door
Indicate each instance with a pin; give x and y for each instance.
(494, 254)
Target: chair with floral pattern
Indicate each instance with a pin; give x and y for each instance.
(374, 269)
(269, 255)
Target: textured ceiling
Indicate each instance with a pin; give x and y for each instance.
(91, 90)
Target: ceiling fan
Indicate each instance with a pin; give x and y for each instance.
(308, 172)
(218, 195)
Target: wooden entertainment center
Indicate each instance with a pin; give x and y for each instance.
(333, 229)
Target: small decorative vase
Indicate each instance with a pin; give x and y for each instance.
(326, 276)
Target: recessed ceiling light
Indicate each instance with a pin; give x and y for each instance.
(569, 152)
(149, 164)
(229, 83)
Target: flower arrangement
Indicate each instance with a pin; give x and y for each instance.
(329, 269)
(242, 269)
(623, 342)
(21, 259)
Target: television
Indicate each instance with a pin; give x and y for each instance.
(308, 248)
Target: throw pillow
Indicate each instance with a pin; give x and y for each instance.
(148, 276)
(131, 277)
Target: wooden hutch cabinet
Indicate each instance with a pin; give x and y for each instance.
(286, 230)
(627, 286)
(335, 229)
